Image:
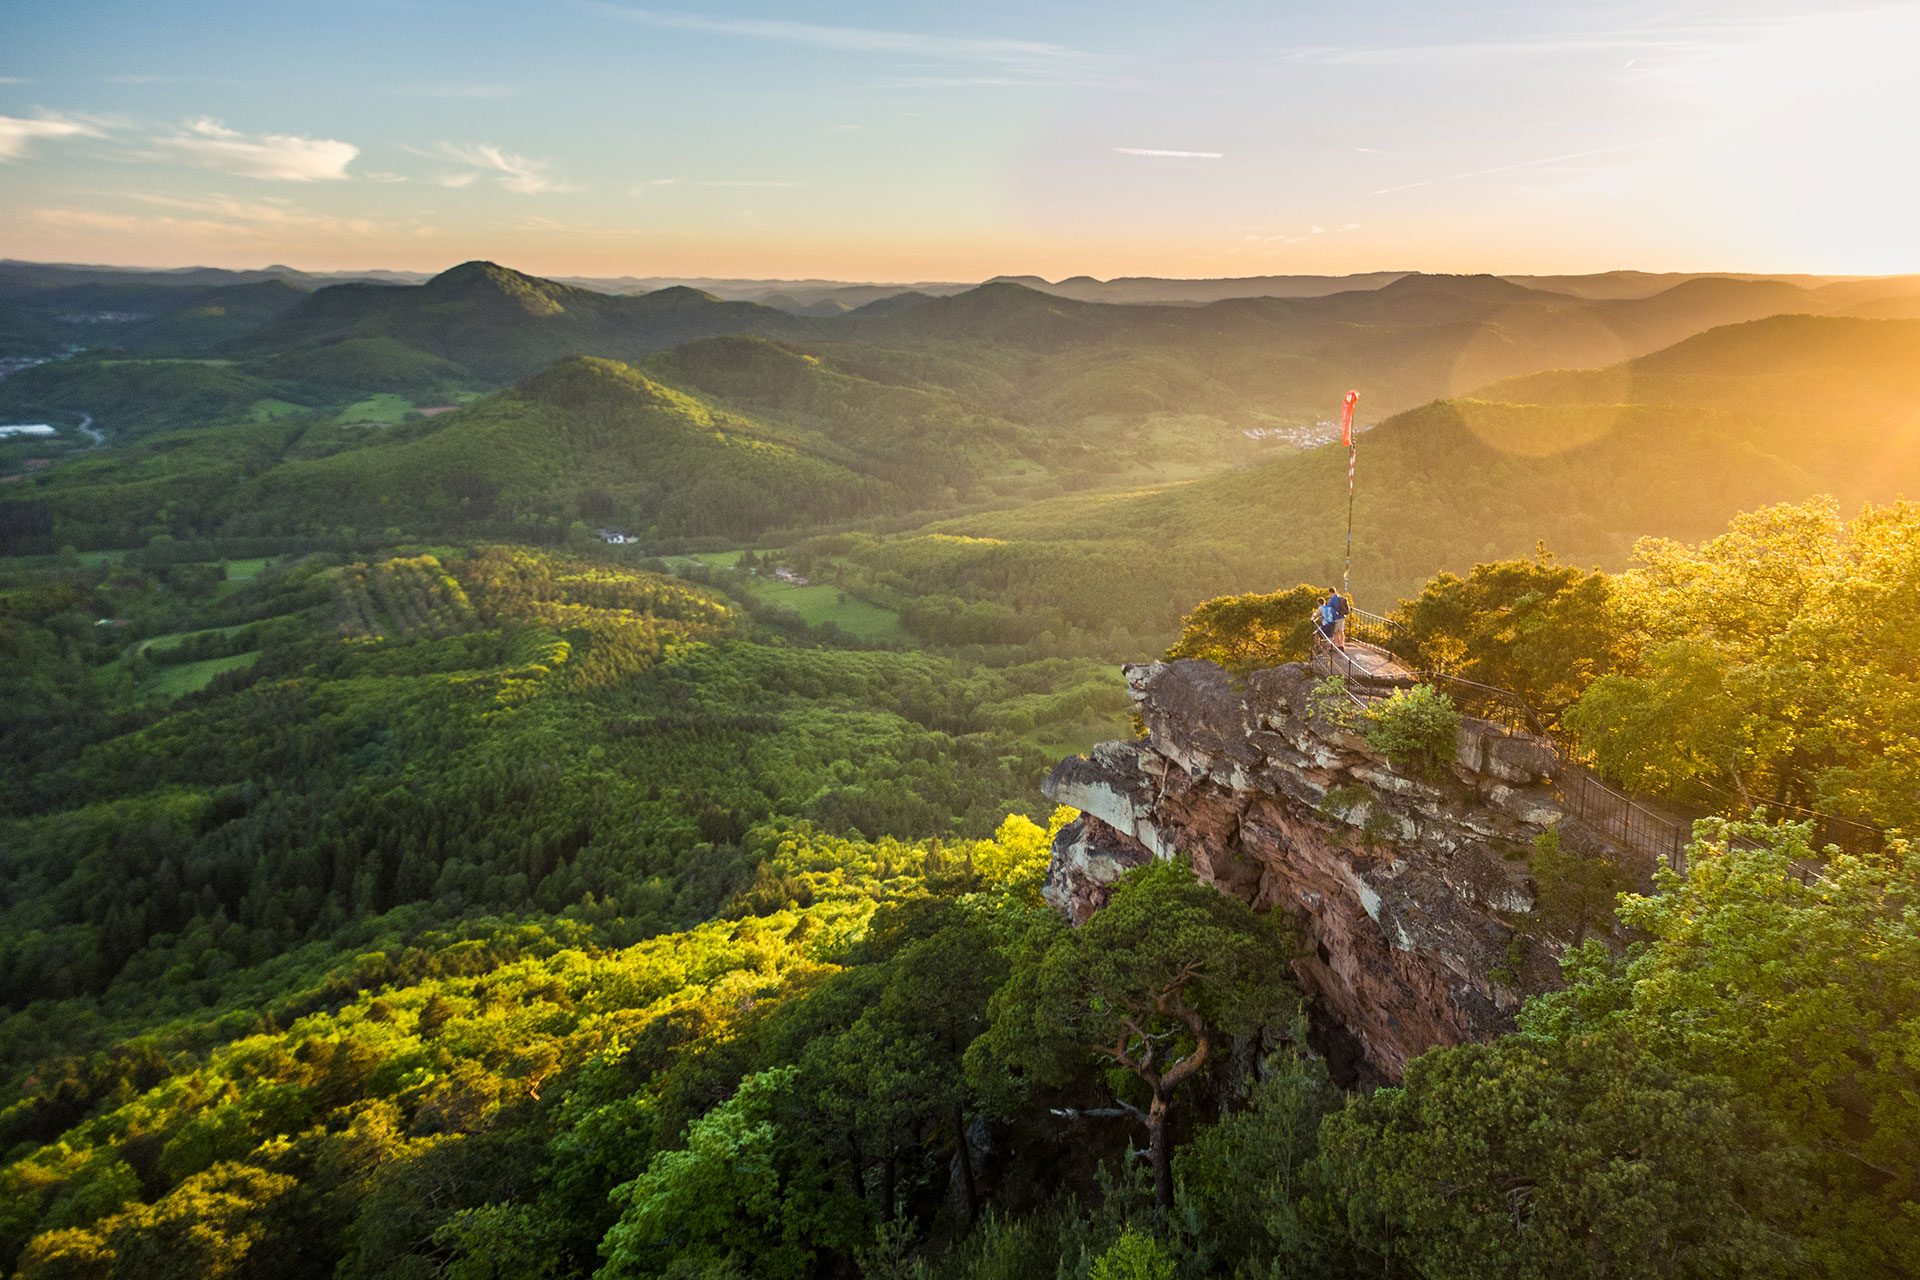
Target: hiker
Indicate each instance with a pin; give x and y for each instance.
(1323, 621)
(1335, 610)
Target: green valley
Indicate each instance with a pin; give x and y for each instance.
(508, 779)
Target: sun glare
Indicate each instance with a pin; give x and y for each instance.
(1804, 151)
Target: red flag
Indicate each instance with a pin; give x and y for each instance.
(1346, 420)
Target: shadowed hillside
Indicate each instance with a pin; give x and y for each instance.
(501, 324)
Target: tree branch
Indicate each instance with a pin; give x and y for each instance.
(1202, 1045)
(1115, 1111)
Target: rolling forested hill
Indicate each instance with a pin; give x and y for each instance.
(40, 315)
(1044, 430)
(398, 881)
(501, 325)
(780, 441)
(1047, 357)
(1673, 443)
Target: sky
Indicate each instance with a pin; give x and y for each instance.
(911, 141)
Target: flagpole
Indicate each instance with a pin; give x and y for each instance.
(1346, 430)
(1346, 579)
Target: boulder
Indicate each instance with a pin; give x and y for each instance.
(1402, 887)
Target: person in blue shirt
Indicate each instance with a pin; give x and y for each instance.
(1333, 617)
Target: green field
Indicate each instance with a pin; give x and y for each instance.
(209, 361)
(191, 677)
(1082, 738)
(386, 408)
(822, 602)
(272, 410)
(816, 603)
(172, 638)
(241, 572)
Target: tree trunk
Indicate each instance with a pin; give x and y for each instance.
(887, 1171)
(966, 1164)
(859, 1169)
(1159, 1156)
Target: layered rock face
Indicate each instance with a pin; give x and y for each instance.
(1399, 879)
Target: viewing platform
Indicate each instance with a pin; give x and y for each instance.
(1368, 664)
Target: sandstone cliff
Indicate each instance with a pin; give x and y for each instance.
(1404, 883)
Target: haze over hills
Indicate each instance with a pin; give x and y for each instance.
(20, 281)
(701, 417)
(1077, 438)
(1250, 362)
(1672, 444)
(501, 324)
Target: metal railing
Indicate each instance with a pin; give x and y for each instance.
(1619, 818)
(1846, 834)
(1382, 630)
(1503, 707)
(1339, 662)
(1609, 812)
(1595, 802)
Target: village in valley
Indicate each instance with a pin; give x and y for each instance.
(1322, 432)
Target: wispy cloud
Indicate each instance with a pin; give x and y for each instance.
(212, 216)
(270, 213)
(1523, 164)
(461, 91)
(1038, 78)
(1471, 51)
(1176, 155)
(1695, 33)
(642, 188)
(1005, 52)
(14, 80)
(283, 157)
(17, 133)
(95, 220)
(168, 79)
(517, 173)
(1284, 238)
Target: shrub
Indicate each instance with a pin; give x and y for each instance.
(1247, 632)
(1330, 702)
(1416, 724)
(1133, 1257)
(1575, 893)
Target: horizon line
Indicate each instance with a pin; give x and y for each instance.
(1000, 277)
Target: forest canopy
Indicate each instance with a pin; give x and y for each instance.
(508, 780)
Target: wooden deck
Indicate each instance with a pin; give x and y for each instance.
(1364, 662)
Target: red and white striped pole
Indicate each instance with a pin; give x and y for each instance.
(1346, 438)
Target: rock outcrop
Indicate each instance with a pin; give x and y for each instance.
(1402, 881)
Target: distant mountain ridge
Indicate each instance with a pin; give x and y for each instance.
(800, 294)
(501, 324)
(1671, 444)
(1250, 362)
